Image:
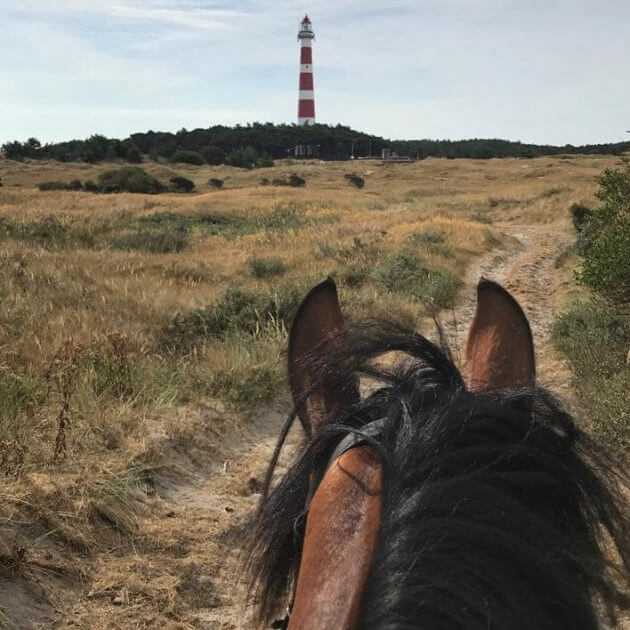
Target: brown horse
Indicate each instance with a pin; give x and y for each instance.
(436, 501)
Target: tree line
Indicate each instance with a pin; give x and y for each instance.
(258, 144)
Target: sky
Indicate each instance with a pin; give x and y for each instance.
(544, 71)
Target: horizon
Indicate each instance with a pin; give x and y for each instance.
(134, 66)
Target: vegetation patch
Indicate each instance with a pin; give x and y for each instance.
(237, 312)
(354, 180)
(156, 241)
(595, 337)
(266, 267)
(433, 241)
(48, 232)
(294, 180)
(131, 179)
(403, 271)
(182, 184)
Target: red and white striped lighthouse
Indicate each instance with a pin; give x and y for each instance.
(306, 102)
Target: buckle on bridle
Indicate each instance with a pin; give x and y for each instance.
(282, 624)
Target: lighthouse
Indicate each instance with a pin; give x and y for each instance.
(306, 99)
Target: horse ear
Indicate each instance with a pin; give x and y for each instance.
(318, 330)
(500, 350)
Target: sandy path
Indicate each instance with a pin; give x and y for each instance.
(227, 492)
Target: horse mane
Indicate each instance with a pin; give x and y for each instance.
(498, 510)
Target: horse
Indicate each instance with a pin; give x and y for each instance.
(436, 501)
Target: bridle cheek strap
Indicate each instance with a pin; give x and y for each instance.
(341, 533)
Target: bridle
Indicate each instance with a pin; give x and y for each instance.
(351, 440)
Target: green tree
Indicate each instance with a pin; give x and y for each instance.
(213, 155)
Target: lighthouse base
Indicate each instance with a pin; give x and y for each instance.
(303, 122)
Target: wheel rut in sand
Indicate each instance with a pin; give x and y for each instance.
(225, 492)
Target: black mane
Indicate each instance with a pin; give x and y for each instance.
(499, 512)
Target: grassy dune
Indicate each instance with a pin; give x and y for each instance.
(117, 312)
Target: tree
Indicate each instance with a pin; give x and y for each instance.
(133, 155)
(14, 151)
(213, 155)
(188, 157)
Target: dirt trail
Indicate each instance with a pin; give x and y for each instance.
(227, 493)
(526, 268)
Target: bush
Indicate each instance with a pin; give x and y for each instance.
(355, 180)
(46, 186)
(264, 181)
(266, 267)
(604, 238)
(580, 215)
(296, 181)
(188, 157)
(215, 182)
(131, 179)
(595, 338)
(91, 186)
(75, 184)
(182, 184)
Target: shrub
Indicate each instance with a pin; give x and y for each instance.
(164, 241)
(296, 181)
(266, 267)
(131, 179)
(264, 181)
(188, 157)
(580, 215)
(75, 184)
(215, 182)
(91, 186)
(182, 184)
(595, 338)
(46, 186)
(355, 180)
(604, 238)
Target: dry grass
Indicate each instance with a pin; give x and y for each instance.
(94, 400)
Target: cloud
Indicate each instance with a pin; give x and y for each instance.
(523, 69)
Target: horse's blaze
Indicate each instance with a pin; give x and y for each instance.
(341, 531)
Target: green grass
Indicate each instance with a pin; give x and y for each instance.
(161, 241)
(49, 233)
(283, 217)
(405, 272)
(266, 267)
(595, 338)
(238, 311)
